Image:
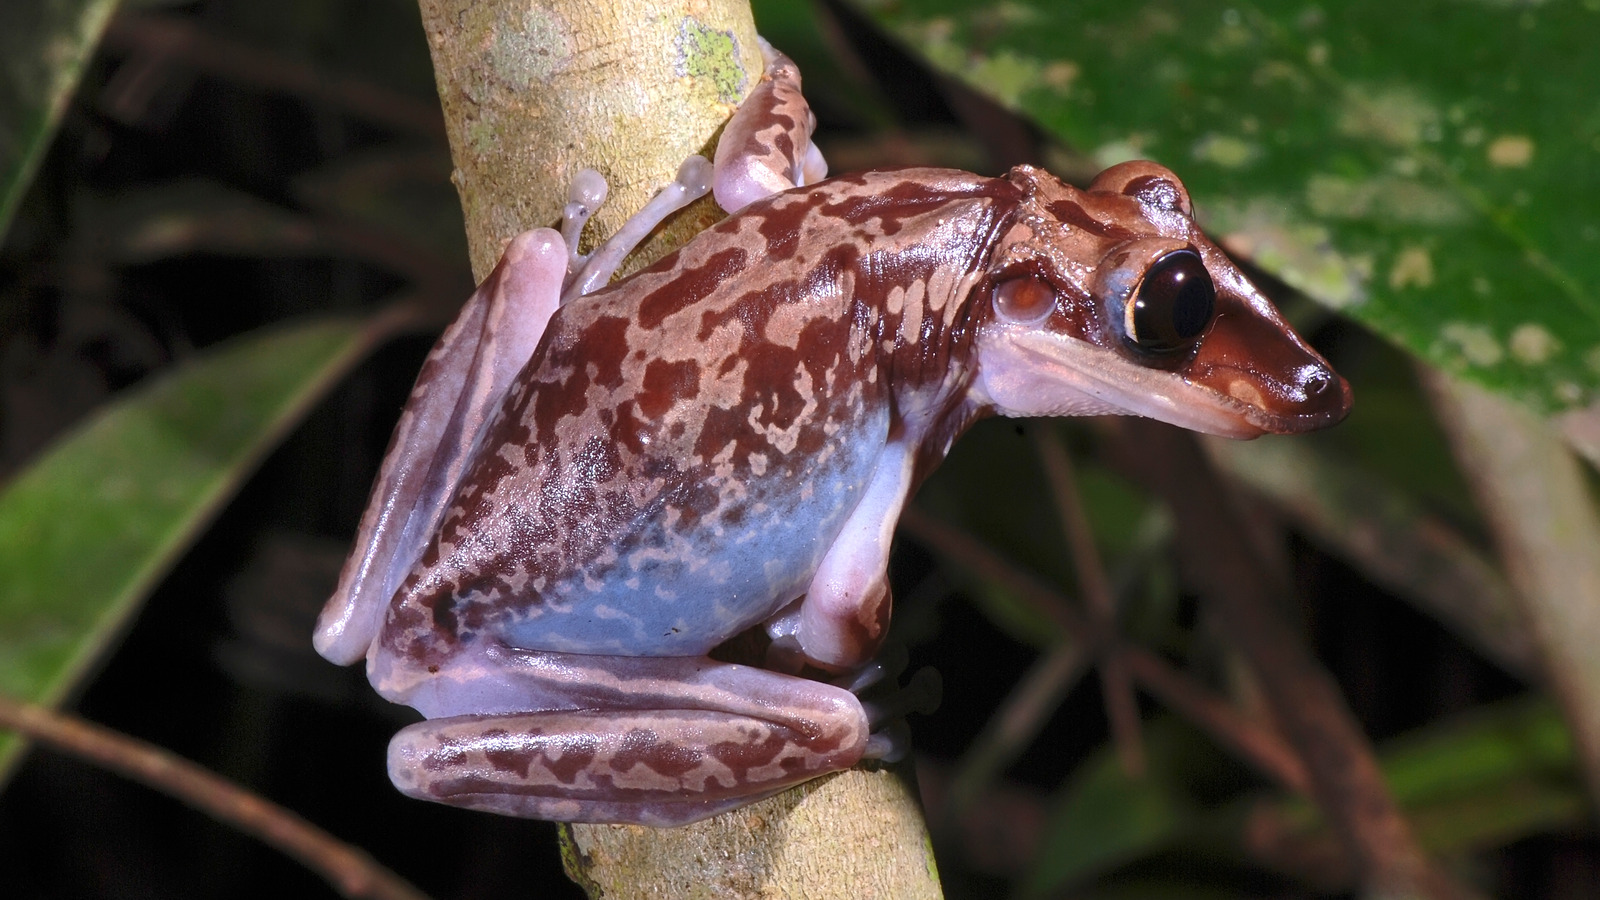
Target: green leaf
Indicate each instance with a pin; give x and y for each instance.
(1429, 168)
(1485, 778)
(89, 528)
(1104, 817)
(44, 45)
(1521, 743)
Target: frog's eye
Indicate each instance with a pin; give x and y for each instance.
(1172, 305)
(1024, 301)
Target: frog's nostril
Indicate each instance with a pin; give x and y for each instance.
(1317, 383)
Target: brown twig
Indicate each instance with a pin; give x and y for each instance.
(1344, 774)
(976, 556)
(1016, 723)
(352, 872)
(1122, 707)
(179, 40)
(1259, 746)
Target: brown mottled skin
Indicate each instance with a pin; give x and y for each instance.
(749, 356)
(767, 147)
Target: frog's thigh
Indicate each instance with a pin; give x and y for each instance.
(845, 612)
(467, 373)
(490, 678)
(687, 739)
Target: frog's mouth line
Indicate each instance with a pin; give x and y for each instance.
(1155, 393)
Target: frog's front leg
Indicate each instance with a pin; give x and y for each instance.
(766, 147)
(589, 274)
(844, 616)
(652, 741)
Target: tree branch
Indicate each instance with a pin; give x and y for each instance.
(352, 872)
(533, 93)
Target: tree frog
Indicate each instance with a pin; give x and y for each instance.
(592, 487)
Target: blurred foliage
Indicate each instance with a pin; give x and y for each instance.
(131, 488)
(1428, 170)
(1418, 170)
(1474, 780)
(44, 47)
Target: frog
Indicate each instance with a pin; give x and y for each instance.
(597, 484)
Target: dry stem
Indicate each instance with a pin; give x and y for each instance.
(352, 872)
(1344, 774)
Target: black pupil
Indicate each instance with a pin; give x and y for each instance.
(1174, 303)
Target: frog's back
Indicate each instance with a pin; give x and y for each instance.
(684, 446)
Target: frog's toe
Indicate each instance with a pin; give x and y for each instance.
(886, 666)
(920, 695)
(889, 703)
(890, 745)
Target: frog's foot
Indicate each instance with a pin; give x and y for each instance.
(887, 710)
(886, 666)
(920, 695)
(589, 274)
(652, 741)
(887, 704)
(890, 744)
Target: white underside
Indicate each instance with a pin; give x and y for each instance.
(1026, 372)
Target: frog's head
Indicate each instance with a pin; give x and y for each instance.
(1112, 301)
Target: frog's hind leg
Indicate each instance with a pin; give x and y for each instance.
(461, 384)
(655, 741)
